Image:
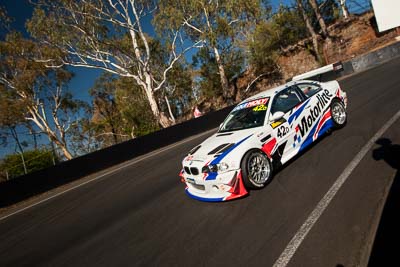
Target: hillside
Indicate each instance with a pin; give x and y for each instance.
(351, 38)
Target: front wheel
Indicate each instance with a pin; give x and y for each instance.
(256, 169)
(339, 115)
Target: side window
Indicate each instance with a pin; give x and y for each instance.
(309, 89)
(285, 100)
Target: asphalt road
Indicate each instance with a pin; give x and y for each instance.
(140, 216)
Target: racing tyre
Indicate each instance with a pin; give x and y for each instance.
(256, 169)
(338, 113)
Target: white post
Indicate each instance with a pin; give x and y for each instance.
(344, 9)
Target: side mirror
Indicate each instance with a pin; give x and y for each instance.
(276, 116)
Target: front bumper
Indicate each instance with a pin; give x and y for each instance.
(226, 186)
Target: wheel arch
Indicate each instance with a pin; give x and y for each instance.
(248, 184)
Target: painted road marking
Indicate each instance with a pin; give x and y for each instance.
(151, 154)
(296, 241)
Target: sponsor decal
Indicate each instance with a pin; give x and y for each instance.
(297, 137)
(257, 102)
(260, 108)
(282, 131)
(308, 120)
(277, 123)
(298, 110)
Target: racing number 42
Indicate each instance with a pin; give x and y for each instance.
(282, 131)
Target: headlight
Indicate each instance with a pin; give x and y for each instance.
(216, 167)
(223, 166)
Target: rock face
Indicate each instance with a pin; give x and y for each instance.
(351, 38)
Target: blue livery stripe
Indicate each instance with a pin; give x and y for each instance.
(327, 125)
(213, 175)
(223, 155)
(297, 113)
(309, 138)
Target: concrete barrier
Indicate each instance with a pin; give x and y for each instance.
(375, 58)
(23, 187)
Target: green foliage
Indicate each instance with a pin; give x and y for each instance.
(11, 108)
(137, 119)
(208, 81)
(285, 28)
(208, 78)
(219, 26)
(329, 9)
(35, 160)
(120, 112)
(5, 21)
(288, 26)
(212, 21)
(179, 89)
(31, 92)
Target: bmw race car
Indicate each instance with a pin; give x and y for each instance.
(259, 134)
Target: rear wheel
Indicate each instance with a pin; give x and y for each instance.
(339, 115)
(256, 169)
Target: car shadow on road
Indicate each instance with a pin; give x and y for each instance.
(385, 249)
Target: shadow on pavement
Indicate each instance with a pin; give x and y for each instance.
(385, 249)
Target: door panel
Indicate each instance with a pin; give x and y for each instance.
(285, 101)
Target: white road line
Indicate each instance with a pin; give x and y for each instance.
(151, 154)
(296, 241)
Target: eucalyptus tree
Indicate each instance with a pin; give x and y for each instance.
(106, 117)
(320, 20)
(310, 29)
(37, 93)
(10, 118)
(109, 35)
(270, 38)
(214, 23)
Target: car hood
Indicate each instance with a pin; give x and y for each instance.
(219, 143)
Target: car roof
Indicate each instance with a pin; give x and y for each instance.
(273, 91)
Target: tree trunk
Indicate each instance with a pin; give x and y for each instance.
(224, 81)
(320, 19)
(310, 29)
(169, 110)
(345, 12)
(114, 132)
(52, 134)
(33, 134)
(63, 148)
(160, 116)
(21, 150)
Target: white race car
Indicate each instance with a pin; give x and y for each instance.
(259, 134)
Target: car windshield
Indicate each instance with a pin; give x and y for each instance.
(247, 115)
